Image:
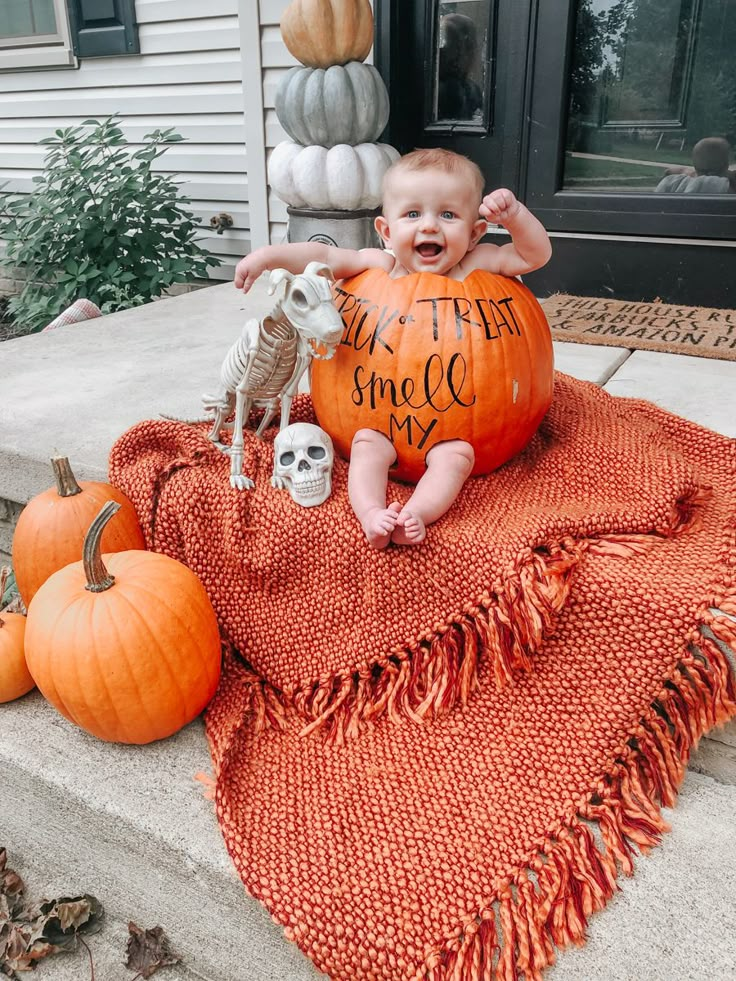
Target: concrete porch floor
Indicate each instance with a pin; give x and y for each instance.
(130, 824)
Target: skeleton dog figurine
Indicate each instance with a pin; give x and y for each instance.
(265, 365)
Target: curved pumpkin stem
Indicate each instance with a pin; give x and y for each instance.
(4, 573)
(98, 578)
(66, 482)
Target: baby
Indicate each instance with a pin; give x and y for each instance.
(434, 215)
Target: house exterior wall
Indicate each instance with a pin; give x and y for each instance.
(189, 75)
(209, 70)
(276, 61)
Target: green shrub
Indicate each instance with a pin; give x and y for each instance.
(100, 224)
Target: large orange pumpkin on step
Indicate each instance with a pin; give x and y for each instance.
(424, 359)
(127, 648)
(52, 526)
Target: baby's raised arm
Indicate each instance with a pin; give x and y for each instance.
(295, 256)
(529, 248)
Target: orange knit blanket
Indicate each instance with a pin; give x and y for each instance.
(543, 663)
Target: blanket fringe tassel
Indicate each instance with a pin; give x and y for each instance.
(421, 683)
(425, 681)
(573, 873)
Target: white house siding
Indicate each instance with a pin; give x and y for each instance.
(276, 61)
(188, 75)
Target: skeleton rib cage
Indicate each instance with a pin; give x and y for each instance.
(273, 363)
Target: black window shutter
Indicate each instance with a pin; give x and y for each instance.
(103, 27)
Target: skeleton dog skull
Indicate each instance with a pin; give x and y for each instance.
(303, 458)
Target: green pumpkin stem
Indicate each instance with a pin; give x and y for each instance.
(98, 578)
(66, 482)
(4, 573)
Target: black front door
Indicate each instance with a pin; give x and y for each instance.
(456, 75)
(612, 119)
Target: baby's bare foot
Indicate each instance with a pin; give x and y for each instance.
(379, 523)
(410, 529)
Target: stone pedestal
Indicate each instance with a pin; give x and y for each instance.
(344, 229)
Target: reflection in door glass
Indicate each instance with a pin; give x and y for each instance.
(460, 63)
(653, 97)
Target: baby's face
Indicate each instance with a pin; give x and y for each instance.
(430, 219)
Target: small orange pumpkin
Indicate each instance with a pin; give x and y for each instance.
(52, 526)
(425, 358)
(15, 679)
(127, 648)
(322, 33)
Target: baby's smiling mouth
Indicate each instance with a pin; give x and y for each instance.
(429, 250)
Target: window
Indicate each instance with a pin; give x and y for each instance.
(652, 97)
(35, 34)
(461, 33)
(55, 33)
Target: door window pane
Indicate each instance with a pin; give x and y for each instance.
(653, 97)
(460, 64)
(26, 18)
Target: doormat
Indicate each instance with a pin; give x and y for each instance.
(435, 764)
(704, 332)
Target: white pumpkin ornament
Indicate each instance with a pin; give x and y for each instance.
(342, 178)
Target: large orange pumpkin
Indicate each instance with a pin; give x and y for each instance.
(15, 679)
(128, 647)
(424, 359)
(52, 526)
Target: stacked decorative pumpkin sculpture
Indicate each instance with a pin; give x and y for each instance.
(334, 108)
(126, 646)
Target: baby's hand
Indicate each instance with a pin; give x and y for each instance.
(247, 271)
(500, 206)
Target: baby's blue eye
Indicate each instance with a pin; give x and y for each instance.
(448, 214)
(412, 214)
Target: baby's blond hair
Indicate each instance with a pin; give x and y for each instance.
(446, 161)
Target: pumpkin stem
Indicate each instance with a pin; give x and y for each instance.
(4, 573)
(98, 578)
(66, 482)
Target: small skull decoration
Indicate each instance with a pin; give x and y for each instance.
(302, 463)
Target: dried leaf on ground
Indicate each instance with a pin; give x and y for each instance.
(30, 933)
(148, 950)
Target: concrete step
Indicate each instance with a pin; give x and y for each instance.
(130, 825)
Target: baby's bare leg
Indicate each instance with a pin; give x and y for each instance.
(370, 457)
(448, 467)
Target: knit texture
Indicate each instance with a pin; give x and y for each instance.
(344, 632)
(501, 712)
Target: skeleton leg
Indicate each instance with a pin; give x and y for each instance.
(238, 479)
(221, 406)
(291, 388)
(271, 410)
(287, 395)
(243, 401)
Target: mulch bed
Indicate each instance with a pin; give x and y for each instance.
(9, 329)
